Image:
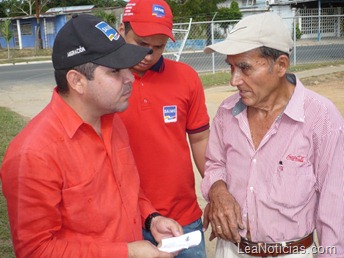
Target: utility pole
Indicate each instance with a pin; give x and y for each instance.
(39, 44)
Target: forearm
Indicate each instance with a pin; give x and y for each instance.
(198, 144)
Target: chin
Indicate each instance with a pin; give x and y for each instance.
(141, 67)
(122, 107)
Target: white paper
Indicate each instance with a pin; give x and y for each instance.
(185, 241)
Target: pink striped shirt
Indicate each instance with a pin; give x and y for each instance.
(293, 183)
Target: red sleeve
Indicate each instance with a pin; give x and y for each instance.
(198, 118)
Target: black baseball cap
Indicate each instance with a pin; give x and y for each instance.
(86, 38)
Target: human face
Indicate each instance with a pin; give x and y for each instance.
(109, 90)
(255, 77)
(155, 42)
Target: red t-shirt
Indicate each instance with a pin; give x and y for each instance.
(164, 106)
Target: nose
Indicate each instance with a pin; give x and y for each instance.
(236, 77)
(149, 56)
(127, 76)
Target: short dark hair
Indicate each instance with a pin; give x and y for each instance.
(271, 53)
(127, 27)
(61, 80)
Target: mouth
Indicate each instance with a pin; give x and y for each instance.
(244, 93)
(127, 91)
(142, 64)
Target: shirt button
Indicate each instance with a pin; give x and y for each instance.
(145, 101)
(251, 188)
(254, 161)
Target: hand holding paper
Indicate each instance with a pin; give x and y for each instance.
(185, 241)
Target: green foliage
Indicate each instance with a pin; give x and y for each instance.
(198, 10)
(16, 8)
(7, 33)
(3, 12)
(108, 17)
(231, 13)
(298, 32)
(96, 3)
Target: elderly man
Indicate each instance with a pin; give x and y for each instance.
(274, 161)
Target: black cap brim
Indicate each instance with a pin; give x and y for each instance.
(128, 55)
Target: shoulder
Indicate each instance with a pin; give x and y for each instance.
(226, 107)
(181, 67)
(320, 105)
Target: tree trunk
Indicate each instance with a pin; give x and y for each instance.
(8, 51)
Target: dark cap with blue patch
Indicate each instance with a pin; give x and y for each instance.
(86, 38)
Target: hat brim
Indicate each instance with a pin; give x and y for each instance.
(151, 28)
(231, 47)
(128, 55)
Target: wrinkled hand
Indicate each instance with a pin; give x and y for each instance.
(206, 221)
(224, 214)
(163, 227)
(145, 249)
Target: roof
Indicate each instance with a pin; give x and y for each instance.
(68, 9)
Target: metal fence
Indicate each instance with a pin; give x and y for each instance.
(319, 39)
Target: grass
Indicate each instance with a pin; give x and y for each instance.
(10, 124)
(24, 55)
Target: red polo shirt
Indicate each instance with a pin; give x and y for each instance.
(166, 103)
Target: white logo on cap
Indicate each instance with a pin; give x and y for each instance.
(76, 51)
(236, 29)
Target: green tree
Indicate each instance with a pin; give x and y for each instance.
(108, 17)
(298, 32)
(3, 12)
(24, 7)
(7, 34)
(231, 13)
(198, 10)
(234, 11)
(96, 3)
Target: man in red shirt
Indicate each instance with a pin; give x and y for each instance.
(167, 108)
(69, 177)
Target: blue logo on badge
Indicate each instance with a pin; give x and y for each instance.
(170, 114)
(110, 32)
(158, 11)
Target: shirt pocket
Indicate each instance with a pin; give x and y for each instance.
(85, 207)
(292, 187)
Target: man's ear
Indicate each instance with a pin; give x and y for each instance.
(282, 65)
(76, 81)
(121, 29)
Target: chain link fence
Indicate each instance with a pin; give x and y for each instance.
(319, 39)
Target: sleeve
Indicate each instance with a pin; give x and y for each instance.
(146, 206)
(198, 118)
(215, 164)
(33, 201)
(330, 181)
